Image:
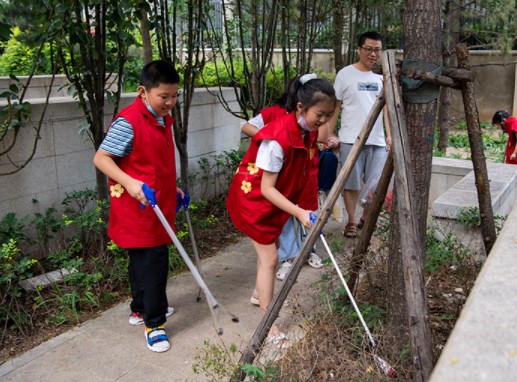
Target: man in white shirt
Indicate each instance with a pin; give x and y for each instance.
(357, 88)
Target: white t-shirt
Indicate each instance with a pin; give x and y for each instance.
(270, 156)
(357, 92)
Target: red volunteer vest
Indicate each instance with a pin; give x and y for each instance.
(309, 197)
(511, 128)
(249, 211)
(153, 162)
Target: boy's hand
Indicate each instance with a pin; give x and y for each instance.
(134, 188)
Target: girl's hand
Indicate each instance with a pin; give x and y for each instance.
(304, 217)
(180, 191)
(513, 156)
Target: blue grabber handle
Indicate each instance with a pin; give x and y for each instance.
(313, 220)
(183, 202)
(149, 194)
(212, 302)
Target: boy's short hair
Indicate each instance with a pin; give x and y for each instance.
(158, 72)
(370, 35)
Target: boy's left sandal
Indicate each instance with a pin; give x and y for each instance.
(279, 340)
(157, 340)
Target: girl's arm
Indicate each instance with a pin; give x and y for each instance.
(249, 129)
(275, 197)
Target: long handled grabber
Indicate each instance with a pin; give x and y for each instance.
(184, 202)
(381, 363)
(211, 301)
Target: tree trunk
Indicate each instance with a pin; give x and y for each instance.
(146, 37)
(339, 26)
(422, 36)
(451, 34)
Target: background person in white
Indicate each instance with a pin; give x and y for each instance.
(357, 88)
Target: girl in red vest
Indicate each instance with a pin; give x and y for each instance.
(509, 125)
(268, 184)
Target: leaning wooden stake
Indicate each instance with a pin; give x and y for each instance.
(271, 315)
(411, 248)
(478, 156)
(374, 210)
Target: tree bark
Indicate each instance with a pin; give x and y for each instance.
(146, 37)
(451, 32)
(422, 36)
(410, 248)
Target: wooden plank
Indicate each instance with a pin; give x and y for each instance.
(271, 315)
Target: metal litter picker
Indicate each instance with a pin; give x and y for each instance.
(185, 203)
(381, 363)
(211, 301)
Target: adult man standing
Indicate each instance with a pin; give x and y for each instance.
(357, 88)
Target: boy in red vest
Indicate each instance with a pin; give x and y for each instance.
(139, 148)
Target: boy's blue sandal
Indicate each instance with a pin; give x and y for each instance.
(157, 340)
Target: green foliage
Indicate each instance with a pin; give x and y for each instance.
(471, 217)
(442, 253)
(216, 74)
(216, 362)
(13, 228)
(14, 114)
(71, 242)
(18, 57)
(15, 266)
(217, 172)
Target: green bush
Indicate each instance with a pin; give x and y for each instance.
(18, 58)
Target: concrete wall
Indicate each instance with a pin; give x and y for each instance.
(63, 160)
(40, 85)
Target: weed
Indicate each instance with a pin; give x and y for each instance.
(472, 219)
(445, 253)
(217, 362)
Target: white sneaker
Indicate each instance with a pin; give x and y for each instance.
(138, 318)
(315, 261)
(283, 270)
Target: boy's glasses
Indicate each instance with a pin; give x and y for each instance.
(369, 50)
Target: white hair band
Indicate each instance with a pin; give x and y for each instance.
(307, 77)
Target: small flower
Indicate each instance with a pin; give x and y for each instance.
(246, 186)
(117, 190)
(252, 168)
(311, 153)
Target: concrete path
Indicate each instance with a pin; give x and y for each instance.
(108, 349)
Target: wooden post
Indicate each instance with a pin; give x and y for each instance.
(369, 226)
(478, 156)
(411, 248)
(271, 315)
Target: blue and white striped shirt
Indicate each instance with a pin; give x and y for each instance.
(119, 139)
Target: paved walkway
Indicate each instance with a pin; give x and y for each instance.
(108, 349)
